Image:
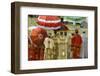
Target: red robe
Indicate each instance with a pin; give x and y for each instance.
(36, 47)
(35, 53)
(76, 42)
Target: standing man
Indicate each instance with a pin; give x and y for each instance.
(84, 50)
(49, 48)
(62, 46)
(76, 43)
(70, 47)
(35, 44)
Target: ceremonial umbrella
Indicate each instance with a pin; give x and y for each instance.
(49, 22)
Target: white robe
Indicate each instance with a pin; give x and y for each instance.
(49, 48)
(84, 49)
(49, 43)
(62, 47)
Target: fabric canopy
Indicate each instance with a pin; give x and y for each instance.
(50, 22)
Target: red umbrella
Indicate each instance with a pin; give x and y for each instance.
(49, 22)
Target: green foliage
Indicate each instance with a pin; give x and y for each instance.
(74, 18)
(31, 21)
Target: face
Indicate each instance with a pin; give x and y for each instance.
(40, 36)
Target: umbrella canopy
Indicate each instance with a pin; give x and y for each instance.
(49, 22)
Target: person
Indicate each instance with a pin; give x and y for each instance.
(35, 52)
(49, 48)
(76, 43)
(84, 50)
(62, 46)
(35, 44)
(69, 45)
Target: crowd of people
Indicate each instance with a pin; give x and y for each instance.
(58, 47)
